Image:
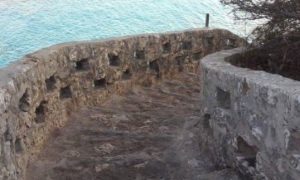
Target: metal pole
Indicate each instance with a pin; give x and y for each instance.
(207, 20)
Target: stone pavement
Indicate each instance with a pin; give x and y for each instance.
(149, 133)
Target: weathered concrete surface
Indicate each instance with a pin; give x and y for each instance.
(39, 92)
(252, 118)
(147, 133)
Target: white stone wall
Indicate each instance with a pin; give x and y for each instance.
(253, 117)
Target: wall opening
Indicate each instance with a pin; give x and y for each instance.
(180, 62)
(114, 60)
(19, 146)
(246, 152)
(294, 142)
(127, 74)
(209, 41)
(65, 92)
(245, 87)
(140, 54)
(82, 65)
(223, 98)
(197, 56)
(230, 43)
(206, 119)
(7, 135)
(187, 45)
(50, 83)
(40, 112)
(154, 66)
(100, 83)
(167, 47)
(24, 104)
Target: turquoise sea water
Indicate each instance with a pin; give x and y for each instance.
(28, 25)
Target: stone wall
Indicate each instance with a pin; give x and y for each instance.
(251, 118)
(38, 92)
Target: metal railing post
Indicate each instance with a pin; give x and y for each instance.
(207, 20)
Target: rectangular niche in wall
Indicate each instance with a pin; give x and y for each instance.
(197, 55)
(187, 45)
(19, 146)
(154, 66)
(223, 98)
(65, 92)
(24, 104)
(246, 152)
(140, 54)
(100, 83)
(167, 47)
(294, 142)
(50, 83)
(180, 61)
(114, 59)
(82, 65)
(230, 43)
(40, 112)
(209, 41)
(206, 121)
(126, 75)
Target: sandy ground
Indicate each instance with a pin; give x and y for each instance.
(149, 133)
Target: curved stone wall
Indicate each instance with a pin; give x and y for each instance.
(252, 118)
(38, 92)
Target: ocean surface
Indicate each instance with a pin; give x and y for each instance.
(28, 25)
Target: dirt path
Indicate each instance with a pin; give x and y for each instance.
(149, 133)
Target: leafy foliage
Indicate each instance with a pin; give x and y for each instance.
(282, 16)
